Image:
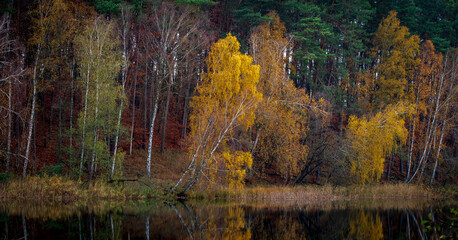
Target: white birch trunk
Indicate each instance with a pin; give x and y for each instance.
(32, 112)
(430, 134)
(151, 134)
(125, 25)
(84, 121)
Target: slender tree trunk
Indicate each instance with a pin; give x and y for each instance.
(147, 228)
(24, 226)
(71, 112)
(132, 128)
(95, 131)
(151, 133)
(10, 98)
(35, 144)
(194, 180)
(166, 111)
(10, 120)
(51, 115)
(117, 135)
(438, 152)
(145, 104)
(125, 66)
(431, 133)
(84, 121)
(453, 77)
(43, 120)
(389, 167)
(59, 142)
(112, 226)
(133, 103)
(185, 109)
(32, 114)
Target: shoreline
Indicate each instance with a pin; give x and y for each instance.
(62, 189)
(325, 192)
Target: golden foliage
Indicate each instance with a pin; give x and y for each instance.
(366, 226)
(282, 115)
(235, 224)
(226, 99)
(394, 54)
(371, 139)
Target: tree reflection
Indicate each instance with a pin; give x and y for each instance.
(365, 226)
(226, 221)
(235, 224)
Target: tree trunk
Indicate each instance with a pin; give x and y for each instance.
(117, 135)
(95, 131)
(438, 152)
(389, 167)
(147, 228)
(145, 104)
(32, 114)
(84, 121)
(431, 133)
(10, 120)
(166, 112)
(125, 26)
(10, 99)
(71, 112)
(24, 225)
(133, 104)
(453, 77)
(185, 109)
(59, 141)
(132, 128)
(151, 133)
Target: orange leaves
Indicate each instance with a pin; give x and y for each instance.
(282, 115)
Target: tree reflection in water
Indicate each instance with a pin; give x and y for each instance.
(181, 220)
(365, 226)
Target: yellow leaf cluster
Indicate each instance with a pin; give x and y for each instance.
(394, 53)
(226, 99)
(229, 85)
(365, 226)
(372, 139)
(236, 164)
(235, 224)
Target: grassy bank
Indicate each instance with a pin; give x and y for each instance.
(62, 189)
(274, 194)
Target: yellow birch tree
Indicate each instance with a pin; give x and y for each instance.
(226, 99)
(370, 140)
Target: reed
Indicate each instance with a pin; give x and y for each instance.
(62, 189)
(318, 193)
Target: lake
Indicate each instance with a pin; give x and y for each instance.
(363, 219)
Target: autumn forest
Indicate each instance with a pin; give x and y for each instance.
(229, 93)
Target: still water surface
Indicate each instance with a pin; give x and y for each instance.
(382, 219)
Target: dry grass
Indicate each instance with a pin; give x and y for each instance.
(273, 194)
(57, 188)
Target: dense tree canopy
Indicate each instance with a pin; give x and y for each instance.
(283, 91)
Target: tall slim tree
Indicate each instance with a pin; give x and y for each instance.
(12, 70)
(225, 100)
(99, 55)
(394, 53)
